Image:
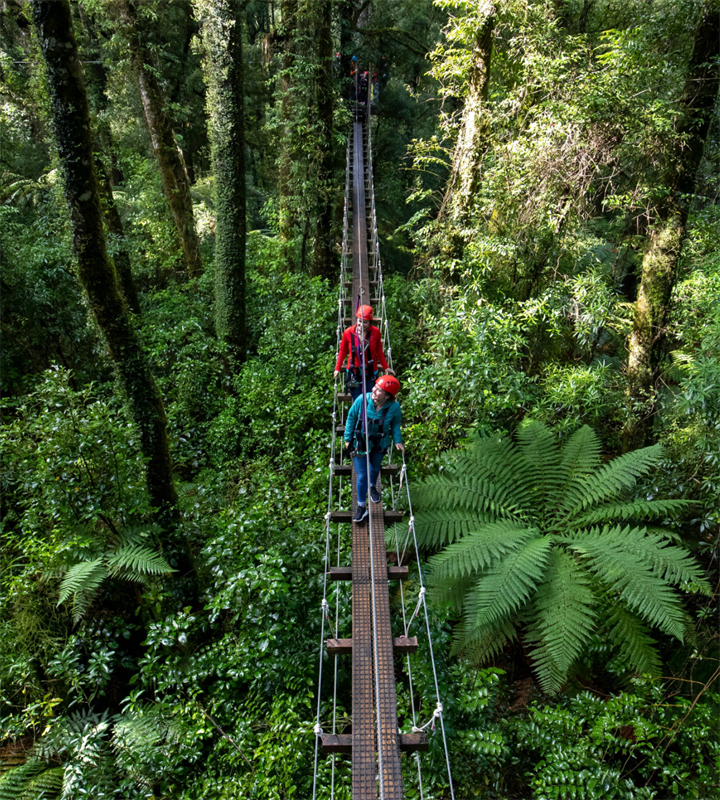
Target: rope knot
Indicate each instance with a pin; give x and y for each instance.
(438, 710)
(317, 730)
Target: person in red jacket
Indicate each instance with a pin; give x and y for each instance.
(362, 343)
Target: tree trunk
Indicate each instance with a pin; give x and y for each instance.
(222, 35)
(118, 245)
(288, 11)
(465, 174)
(96, 85)
(323, 259)
(71, 120)
(659, 266)
(176, 183)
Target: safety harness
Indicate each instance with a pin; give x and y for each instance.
(360, 355)
(376, 430)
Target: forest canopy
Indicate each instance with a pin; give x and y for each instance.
(546, 183)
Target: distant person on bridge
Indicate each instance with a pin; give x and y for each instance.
(382, 412)
(362, 344)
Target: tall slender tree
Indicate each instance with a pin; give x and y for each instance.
(669, 228)
(222, 37)
(289, 16)
(71, 122)
(176, 183)
(323, 261)
(96, 85)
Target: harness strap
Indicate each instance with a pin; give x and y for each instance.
(369, 362)
(375, 438)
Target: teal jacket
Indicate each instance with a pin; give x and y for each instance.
(393, 418)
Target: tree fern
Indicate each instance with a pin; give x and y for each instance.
(542, 541)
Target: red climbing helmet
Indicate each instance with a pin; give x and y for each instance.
(365, 313)
(388, 384)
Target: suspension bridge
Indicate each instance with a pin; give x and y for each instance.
(379, 641)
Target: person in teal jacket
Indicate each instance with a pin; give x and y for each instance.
(383, 427)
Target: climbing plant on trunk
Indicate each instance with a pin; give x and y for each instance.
(222, 37)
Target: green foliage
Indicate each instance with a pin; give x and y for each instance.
(518, 518)
(127, 558)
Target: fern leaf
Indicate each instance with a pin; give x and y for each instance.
(563, 619)
(84, 578)
(640, 586)
(481, 643)
(633, 640)
(540, 449)
(675, 564)
(479, 550)
(14, 781)
(500, 460)
(434, 528)
(631, 509)
(136, 560)
(48, 784)
(506, 586)
(609, 481)
(480, 495)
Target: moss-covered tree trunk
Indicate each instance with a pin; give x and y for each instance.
(222, 35)
(96, 85)
(323, 260)
(71, 122)
(176, 183)
(287, 205)
(474, 127)
(659, 267)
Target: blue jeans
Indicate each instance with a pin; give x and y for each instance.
(356, 391)
(376, 457)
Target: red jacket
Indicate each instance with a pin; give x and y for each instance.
(376, 354)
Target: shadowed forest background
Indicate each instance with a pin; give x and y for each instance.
(547, 175)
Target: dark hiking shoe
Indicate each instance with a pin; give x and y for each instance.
(360, 513)
(375, 495)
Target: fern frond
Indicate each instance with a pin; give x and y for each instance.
(481, 643)
(14, 781)
(631, 509)
(135, 560)
(609, 481)
(82, 578)
(644, 591)
(434, 528)
(502, 461)
(480, 495)
(563, 619)
(451, 593)
(506, 586)
(633, 640)
(47, 785)
(478, 550)
(540, 449)
(580, 455)
(675, 564)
